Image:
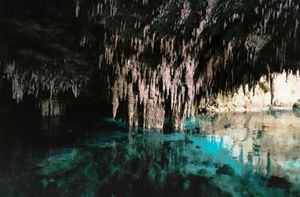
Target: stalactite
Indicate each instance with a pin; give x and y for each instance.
(32, 82)
(166, 57)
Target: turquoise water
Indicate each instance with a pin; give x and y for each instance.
(254, 154)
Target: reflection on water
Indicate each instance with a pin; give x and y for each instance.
(253, 154)
(267, 141)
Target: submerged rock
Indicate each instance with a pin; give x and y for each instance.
(225, 169)
(279, 182)
(63, 162)
(296, 108)
(113, 123)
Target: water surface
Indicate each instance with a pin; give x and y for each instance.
(251, 154)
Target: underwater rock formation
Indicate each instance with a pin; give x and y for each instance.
(62, 163)
(161, 59)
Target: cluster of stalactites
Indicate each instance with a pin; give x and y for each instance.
(152, 89)
(172, 85)
(34, 82)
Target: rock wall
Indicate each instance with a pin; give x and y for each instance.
(280, 91)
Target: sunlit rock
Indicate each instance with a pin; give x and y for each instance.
(280, 92)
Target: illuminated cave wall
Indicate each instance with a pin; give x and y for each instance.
(281, 92)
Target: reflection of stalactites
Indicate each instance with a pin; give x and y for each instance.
(241, 156)
(52, 107)
(268, 168)
(250, 159)
(17, 88)
(114, 152)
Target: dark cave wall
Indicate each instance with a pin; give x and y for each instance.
(41, 56)
(149, 60)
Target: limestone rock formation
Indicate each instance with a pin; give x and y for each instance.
(152, 60)
(164, 58)
(278, 92)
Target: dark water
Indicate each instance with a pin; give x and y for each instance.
(254, 154)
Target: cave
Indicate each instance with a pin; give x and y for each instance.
(149, 98)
